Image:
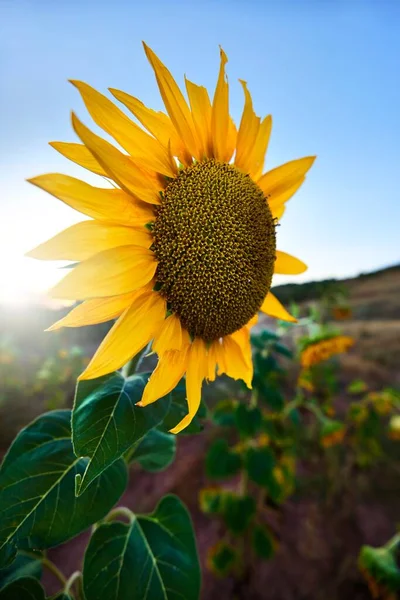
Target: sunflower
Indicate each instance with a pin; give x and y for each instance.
(320, 350)
(180, 247)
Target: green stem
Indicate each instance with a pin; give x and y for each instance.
(393, 543)
(315, 410)
(296, 403)
(120, 511)
(129, 453)
(75, 577)
(243, 483)
(254, 398)
(49, 565)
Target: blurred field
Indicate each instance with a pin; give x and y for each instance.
(375, 322)
(320, 530)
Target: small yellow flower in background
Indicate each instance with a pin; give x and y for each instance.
(332, 433)
(382, 401)
(181, 249)
(63, 354)
(263, 440)
(319, 351)
(394, 427)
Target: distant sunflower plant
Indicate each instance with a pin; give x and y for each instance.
(179, 248)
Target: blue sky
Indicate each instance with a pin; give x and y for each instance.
(327, 70)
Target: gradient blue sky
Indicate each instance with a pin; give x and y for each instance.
(327, 70)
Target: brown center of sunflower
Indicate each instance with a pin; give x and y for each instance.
(214, 239)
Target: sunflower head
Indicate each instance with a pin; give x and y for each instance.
(181, 247)
(214, 240)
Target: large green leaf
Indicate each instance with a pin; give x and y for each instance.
(106, 421)
(153, 557)
(25, 588)
(37, 501)
(156, 451)
(23, 566)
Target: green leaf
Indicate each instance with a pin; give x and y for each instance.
(38, 506)
(262, 339)
(248, 420)
(358, 386)
(224, 413)
(238, 512)
(25, 588)
(106, 421)
(178, 409)
(222, 558)
(259, 463)
(272, 396)
(283, 350)
(382, 566)
(221, 462)
(156, 451)
(153, 557)
(211, 500)
(22, 566)
(263, 542)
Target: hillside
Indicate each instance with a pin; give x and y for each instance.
(374, 295)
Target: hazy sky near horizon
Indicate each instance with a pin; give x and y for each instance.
(327, 70)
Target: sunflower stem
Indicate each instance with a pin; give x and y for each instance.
(75, 578)
(120, 511)
(50, 566)
(394, 543)
(254, 399)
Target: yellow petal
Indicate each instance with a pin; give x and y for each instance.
(98, 310)
(272, 307)
(100, 203)
(286, 264)
(80, 155)
(195, 372)
(170, 369)
(281, 197)
(83, 240)
(237, 361)
(175, 103)
(213, 356)
(145, 150)
(171, 336)
(253, 321)
(284, 177)
(115, 271)
(278, 212)
(231, 139)
(257, 157)
(130, 334)
(158, 123)
(220, 114)
(247, 134)
(242, 339)
(201, 113)
(119, 166)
